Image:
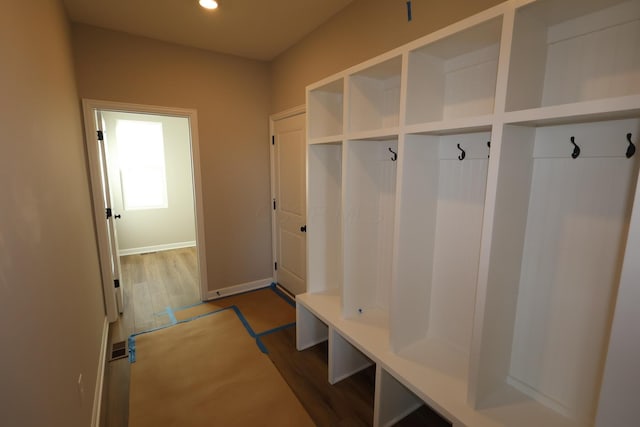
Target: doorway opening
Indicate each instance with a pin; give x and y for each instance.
(148, 208)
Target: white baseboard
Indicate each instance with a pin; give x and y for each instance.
(236, 289)
(156, 248)
(102, 363)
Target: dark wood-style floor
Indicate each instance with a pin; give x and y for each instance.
(153, 282)
(346, 403)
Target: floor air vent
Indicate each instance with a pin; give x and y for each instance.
(118, 350)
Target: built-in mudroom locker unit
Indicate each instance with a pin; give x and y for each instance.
(474, 219)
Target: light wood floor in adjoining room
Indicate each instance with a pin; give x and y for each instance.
(157, 281)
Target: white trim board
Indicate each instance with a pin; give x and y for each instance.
(156, 248)
(300, 109)
(236, 289)
(102, 359)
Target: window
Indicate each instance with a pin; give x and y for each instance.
(142, 167)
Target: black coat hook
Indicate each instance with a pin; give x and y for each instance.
(576, 149)
(631, 149)
(489, 146)
(394, 156)
(462, 153)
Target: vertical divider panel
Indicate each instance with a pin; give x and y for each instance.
(309, 329)
(504, 59)
(528, 61)
(618, 405)
(500, 267)
(393, 401)
(344, 359)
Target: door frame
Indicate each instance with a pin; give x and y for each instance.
(301, 109)
(89, 107)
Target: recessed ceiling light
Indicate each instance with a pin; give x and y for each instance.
(209, 4)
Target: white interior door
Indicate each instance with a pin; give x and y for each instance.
(289, 151)
(110, 215)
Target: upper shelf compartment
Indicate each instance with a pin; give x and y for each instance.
(569, 51)
(374, 96)
(325, 106)
(454, 77)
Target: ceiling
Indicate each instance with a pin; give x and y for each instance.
(256, 29)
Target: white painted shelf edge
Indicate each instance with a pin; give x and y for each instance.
(601, 109)
(332, 139)
(377, 134)
(462, 125)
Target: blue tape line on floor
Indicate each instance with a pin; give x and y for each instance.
(172, 316)
(279, 328)
(244, 321)
(159, 328)
(261, 346)
(282, 295)
(132, 339)
(132, 349)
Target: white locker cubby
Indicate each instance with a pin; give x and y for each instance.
(368, 216)
(454, 77)
(326, 107)
(557, 250)
(574, 51)
(442, 189)
(374, 97)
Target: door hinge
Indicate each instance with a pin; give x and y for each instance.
(116, 283)
(273, 140)
(274, 204)
(276, 266)
(304, 228)
(100, 135)
(109, 213)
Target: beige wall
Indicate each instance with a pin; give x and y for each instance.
(362, 30)
(149, 230)
(231, 96)
(51, 309)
